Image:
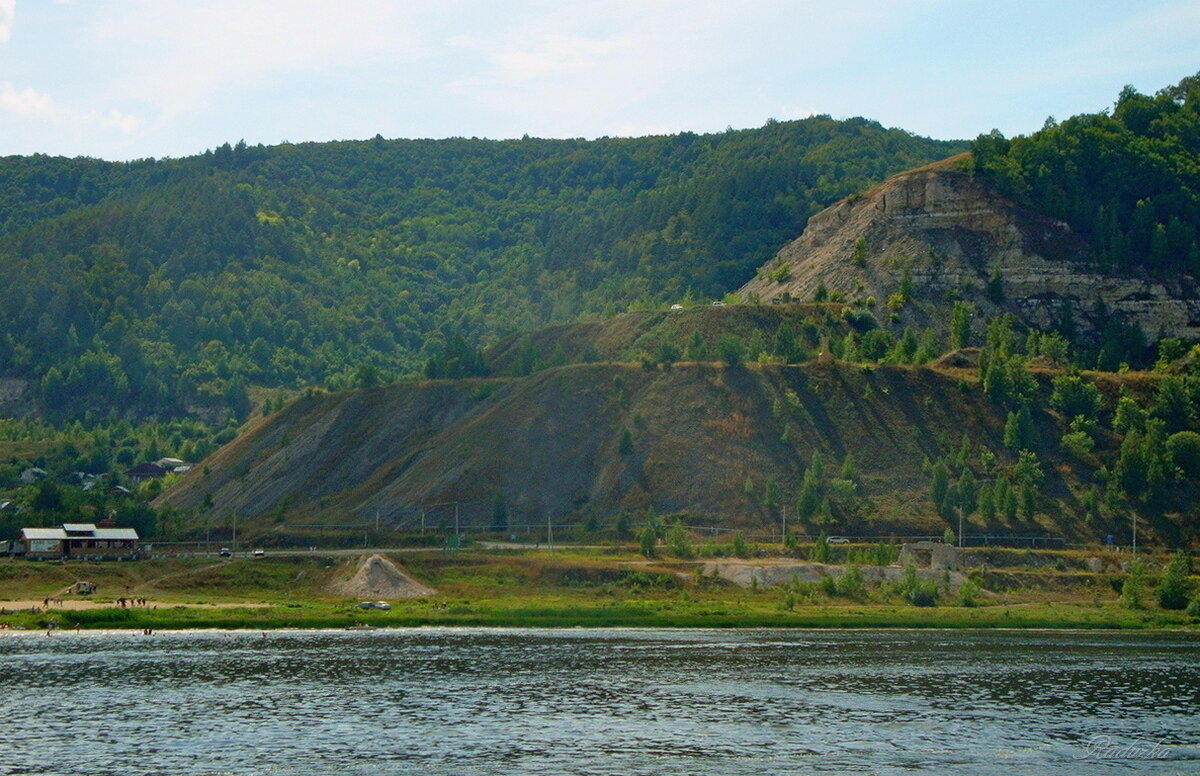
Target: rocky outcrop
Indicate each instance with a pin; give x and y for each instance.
(16, 397)
(959, 239)
(761, 574)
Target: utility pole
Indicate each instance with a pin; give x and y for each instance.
(235, 532)
(422, 521)
(783, 537)
(960, 526)
(456, 533)
(1134, 515)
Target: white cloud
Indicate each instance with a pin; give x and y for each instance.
(181, 56)
(670, 64)
(126, 78)
(555, 54)
(26, 103)
(7, 13)
(39, 106)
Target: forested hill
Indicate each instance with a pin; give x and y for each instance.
(153, 286)
(1128, 179)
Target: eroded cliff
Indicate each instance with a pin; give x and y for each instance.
(959, 239)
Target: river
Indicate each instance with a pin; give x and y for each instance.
(482, 701)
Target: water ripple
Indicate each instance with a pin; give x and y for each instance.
(599, 702)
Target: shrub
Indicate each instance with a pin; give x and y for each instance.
(647, 541)
(1077, 443)
(625, 445)
(1072, 396)
(918, 592)
(859, 254)
(677, 542)
(637, 581)
(851, 583)
(820, 551)
(99, 616)
(1132, 589)
(968, 594)
(924, 593)
(731, 349)
(667, 353)
(1185, 452)
(1174, 587)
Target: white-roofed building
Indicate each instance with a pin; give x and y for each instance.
(78, 540)
(41, 542)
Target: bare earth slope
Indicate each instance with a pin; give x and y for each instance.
(955, 234)
(550, 444)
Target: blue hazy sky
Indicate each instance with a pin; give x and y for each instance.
(122, 79)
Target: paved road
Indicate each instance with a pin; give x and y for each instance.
(356, 551)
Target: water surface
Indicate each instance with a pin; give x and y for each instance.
(480, 701)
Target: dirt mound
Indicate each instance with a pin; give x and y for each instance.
(378, 577)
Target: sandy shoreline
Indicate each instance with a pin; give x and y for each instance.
(75, 605)
(580, 632)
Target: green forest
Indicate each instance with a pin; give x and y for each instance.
(154, 289)
(1128, 179)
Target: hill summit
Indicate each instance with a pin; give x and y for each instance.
(940, 234)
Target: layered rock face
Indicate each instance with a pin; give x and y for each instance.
(959, 239)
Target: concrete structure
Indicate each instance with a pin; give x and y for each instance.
(936, 555)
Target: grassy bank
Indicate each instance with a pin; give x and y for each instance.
(566, 613)
(559, 589)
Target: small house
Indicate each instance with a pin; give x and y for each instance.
(32, 475)
(144, 472)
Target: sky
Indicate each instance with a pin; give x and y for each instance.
(126, 79)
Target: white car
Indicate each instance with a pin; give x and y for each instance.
(258, 554)
(838, 540)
